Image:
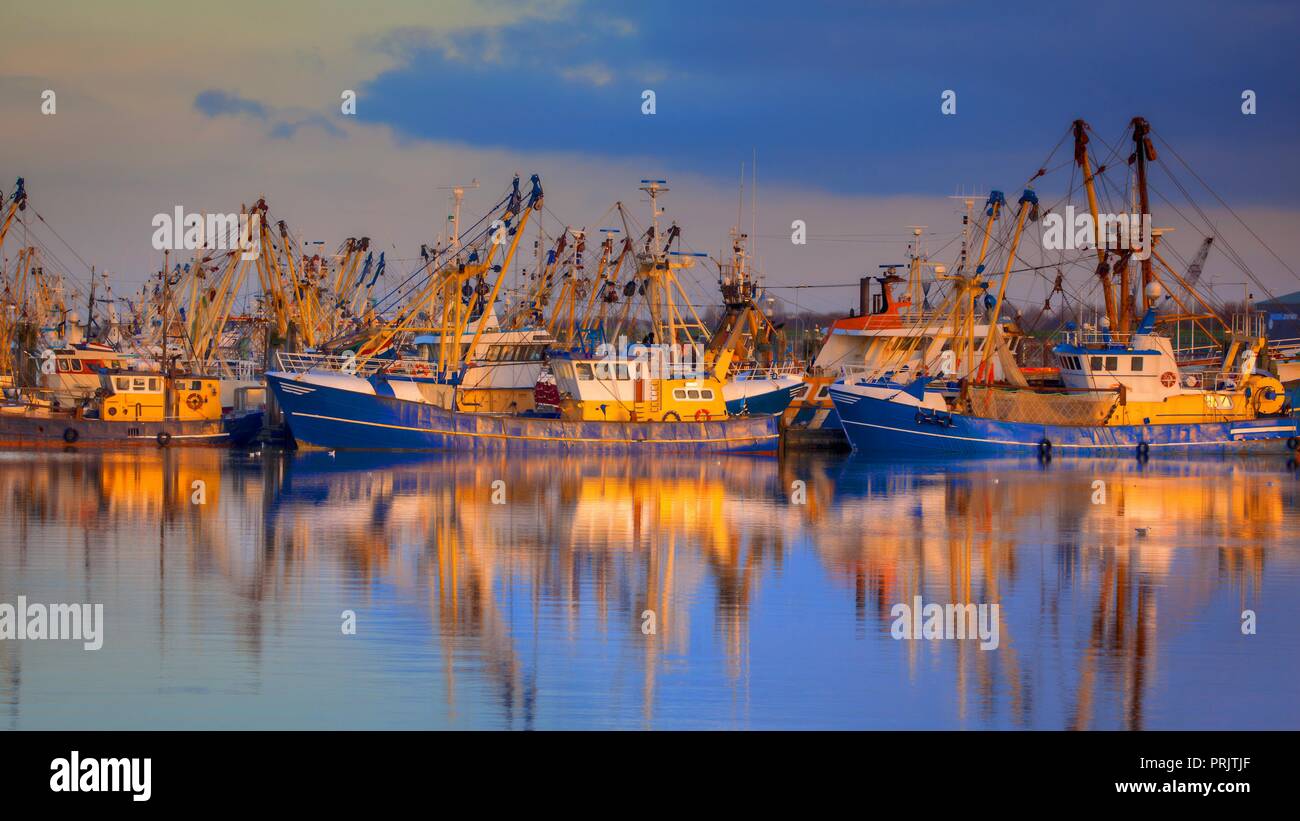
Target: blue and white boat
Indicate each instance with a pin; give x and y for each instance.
(343, 411)
(1116, 398)
(763, 391)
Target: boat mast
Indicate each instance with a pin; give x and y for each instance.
(166, 364)
(90, 307)
(1103, 269)
(1144, 151)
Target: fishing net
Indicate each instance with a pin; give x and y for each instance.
(1042, 408)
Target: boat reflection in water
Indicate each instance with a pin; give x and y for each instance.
(556, 592)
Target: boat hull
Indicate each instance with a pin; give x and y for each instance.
(761, 396)
(33, 429)
(882, 426)
(327, 416)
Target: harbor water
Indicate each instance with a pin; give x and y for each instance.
(389, 591)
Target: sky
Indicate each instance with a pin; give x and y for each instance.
(839, 103)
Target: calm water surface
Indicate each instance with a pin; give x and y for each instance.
(771, 601)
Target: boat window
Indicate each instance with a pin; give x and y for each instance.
(1112, 363)
(692, 394)
(706, 394)
(137, 384)
(602, 370)
(63, 365)
(822, 391)
(153, 383)
(584, 371)
(1095, 365)
(1137, 363)
(121, 383)
(679, 394)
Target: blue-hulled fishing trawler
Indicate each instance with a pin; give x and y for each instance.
(353, 403)
(1121, 389)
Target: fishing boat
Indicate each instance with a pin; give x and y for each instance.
(891, 330)
(1121, 388)
(757, 382)
(131, 408)
(604, 400)
(1119, 397)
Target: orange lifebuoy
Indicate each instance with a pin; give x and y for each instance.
(702, 415)
(194, 401)
(1168, 379)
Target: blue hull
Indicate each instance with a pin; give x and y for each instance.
(770, 402)
(881, 426)
(244, 428)
(335, 418)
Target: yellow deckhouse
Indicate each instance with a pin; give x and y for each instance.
(646, 385)
(136, 396)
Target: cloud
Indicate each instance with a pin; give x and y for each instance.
(217, 103)
(596, 74)
(284, 124)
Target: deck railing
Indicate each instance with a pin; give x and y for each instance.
(303, 362)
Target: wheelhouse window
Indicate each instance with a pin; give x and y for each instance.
(1095, 364)
(584, 371)
(1136, 363)
(1112, 363)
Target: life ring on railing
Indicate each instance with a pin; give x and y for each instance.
(70, 435)
(1168, 379)
(1193, 380)
(194, 401)
(702, 415)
